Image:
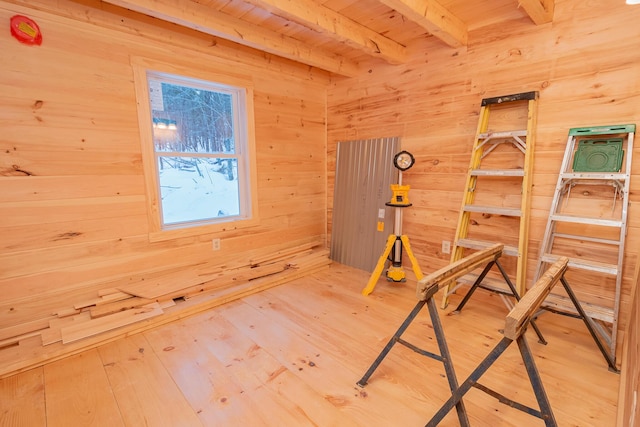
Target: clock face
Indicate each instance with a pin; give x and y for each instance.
(403, 160)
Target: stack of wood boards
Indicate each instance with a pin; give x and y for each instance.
(142, 303)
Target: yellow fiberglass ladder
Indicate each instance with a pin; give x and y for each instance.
(497, 193)
(588, 224)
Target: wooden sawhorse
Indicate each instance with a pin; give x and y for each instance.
(581, 314)
(517, 322)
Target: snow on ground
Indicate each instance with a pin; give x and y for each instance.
(187, 196)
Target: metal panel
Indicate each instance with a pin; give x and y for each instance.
(364, 173)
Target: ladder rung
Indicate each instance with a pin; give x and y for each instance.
(503, 134)
(584, 220)
(481, 244)
(594, 176)
(497, 172)
(563, 303)
(587, 239)
(493, 210)
(582, 264)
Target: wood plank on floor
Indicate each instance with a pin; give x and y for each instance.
(79, 393)
(146, 393)
(318, 366)
(205, 382)
(22, 400)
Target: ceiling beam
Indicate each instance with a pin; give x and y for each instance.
(540, 11)
(202, 18)
(433, 17)
(332, 24)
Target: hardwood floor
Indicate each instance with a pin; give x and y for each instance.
(291, 355)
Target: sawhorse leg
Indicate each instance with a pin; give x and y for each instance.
(587, 321)
(479, 280)
(545, 412)
(444, 356)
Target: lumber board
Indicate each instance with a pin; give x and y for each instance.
(82, 330)
(53, 333)
(169, 284)
(25, 328)
(29, 353)
(103, 299)
(116, 306)
(282, 253)
(519, 317)
(457, 269)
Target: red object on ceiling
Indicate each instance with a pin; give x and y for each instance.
(25, 30)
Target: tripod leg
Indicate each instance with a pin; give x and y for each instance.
(414, 261)
(380, 266)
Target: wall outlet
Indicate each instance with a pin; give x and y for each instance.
(446, 247)
(215, 244)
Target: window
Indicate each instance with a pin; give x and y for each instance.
(197, 163)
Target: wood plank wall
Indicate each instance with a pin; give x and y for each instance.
(586, 66)
(73, 214)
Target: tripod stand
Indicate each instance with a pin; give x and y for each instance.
(397, 241)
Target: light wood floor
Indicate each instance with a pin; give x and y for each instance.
(291, 356)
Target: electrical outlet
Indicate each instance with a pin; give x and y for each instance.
(216, 244)
(446, 247)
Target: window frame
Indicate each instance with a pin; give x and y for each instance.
(157, 231)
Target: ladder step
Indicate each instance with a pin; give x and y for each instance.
(493, 210)
(481, 244)
(594, 176)
(497, 172)
(564, 304)
(584, 220)
(587, 239)
(503, 134)
(599, 267)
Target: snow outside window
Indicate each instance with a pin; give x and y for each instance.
(199, 142)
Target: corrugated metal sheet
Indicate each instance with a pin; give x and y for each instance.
(364, 173)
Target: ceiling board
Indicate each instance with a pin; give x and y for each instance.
(342, 36)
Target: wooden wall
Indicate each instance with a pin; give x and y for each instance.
(73, 216)
(586, 66)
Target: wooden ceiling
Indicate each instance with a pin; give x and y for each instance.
(340, 36)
